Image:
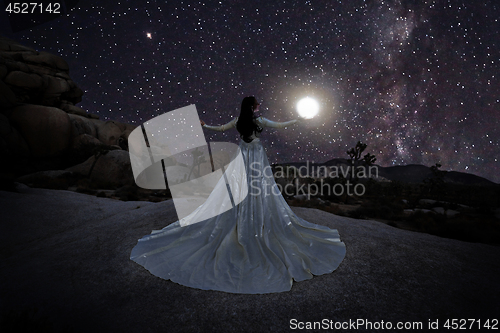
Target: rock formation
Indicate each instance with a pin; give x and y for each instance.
(42, 129)
(66, 255)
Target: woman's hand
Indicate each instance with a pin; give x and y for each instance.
(202, 122)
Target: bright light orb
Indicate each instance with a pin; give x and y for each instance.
(307, 108)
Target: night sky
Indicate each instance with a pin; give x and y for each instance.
(417, 80)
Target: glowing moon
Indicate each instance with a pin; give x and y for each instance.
(307, 108)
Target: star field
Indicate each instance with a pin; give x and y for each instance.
(418, 81)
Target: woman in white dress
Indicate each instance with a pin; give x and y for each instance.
(257, 247)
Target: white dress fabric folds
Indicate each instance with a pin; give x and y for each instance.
(257, 247)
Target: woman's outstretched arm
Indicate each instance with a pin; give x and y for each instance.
(220, 128)
(264, 122)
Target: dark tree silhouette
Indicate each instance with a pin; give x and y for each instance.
(355, 153)
(435, 182)
(355, 156)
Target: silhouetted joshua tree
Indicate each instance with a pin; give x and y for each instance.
(355, 153)
(355, 156)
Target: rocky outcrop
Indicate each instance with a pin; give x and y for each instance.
(67, 255)
(47, 130)
(11, 139)
(52, 179)
(33, 77)
(41, 128)
(110, 169)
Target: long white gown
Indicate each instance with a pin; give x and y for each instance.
(257, 247)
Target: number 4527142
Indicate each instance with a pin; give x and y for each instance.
(462, 324)
(33, 8)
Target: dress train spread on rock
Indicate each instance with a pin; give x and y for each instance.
(259, 246)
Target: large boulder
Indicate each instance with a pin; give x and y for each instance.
(72, 109)
(8, 98)
(46, 59)
(35, 77)
(3, 69)
(108, 132)
(13, 143)
(82, 148)
(113, 133)
(68, 255)
(82, 125)
(109, 169)
(54, 89)
(47, 130)
(41, 128)
(24, 80)
(53, 179)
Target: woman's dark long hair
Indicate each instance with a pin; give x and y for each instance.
(246, 121)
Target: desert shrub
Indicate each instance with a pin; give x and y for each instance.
(426, 222)
(381, 207)
(462, 227)
(470, 229)
(127, 193)
(373, 187)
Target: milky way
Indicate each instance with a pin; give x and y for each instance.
(418, 81)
